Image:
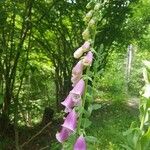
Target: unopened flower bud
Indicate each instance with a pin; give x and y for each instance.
(92, 23)
(97, 6)
(89, 15)
(78, 53)
(89, 5)
(86, 46)
(87, 60)
(86, 34)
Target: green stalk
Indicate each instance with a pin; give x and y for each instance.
(83, 102)
(86, 83)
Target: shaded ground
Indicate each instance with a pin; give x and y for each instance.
(39, 137)
(109, 123)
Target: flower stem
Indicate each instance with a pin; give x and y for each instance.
(83, 102)
(85, 91)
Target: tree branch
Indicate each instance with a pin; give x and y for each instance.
(34, 136)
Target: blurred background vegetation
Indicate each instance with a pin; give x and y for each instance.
(37, 41)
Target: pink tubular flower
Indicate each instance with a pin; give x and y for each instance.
(78, 69)
(80, 144)
(68, 103)
(71, 121)
(78, 88)
(86, 46)
(63, 135)
(87, 60)
(75, 79)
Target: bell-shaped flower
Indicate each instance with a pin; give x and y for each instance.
(63, 134)
(78, 53)
(86, 46)
(68, 103)
(75, 79)
(80, 144)
(78, 69)
(78, 88)
(71, 121)
(87, 60)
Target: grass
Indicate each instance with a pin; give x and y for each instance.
(108, 125)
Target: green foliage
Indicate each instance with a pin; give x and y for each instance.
(108, 125)
(138, 137)
(136, 84)
(112, 83)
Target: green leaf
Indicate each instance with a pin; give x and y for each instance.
(132, 137)
(80, 109)
(86, 123)
(93, 107)
(145, 140)
(126, 147)
(133, 125)
(86, 77)
(90, 110)
(91, 139)
(96, 106)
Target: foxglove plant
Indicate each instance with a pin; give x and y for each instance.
(75, 101)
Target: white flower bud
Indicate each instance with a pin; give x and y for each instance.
(86, 34)
(97, 6)
(89, 15)
(92, 23)
(86, 46)
(78, 53)
(89, 5)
